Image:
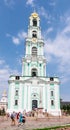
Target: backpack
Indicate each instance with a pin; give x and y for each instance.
(12, 116)
(23, 119)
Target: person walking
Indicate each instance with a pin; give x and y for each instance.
(13, 118)
(21, 119)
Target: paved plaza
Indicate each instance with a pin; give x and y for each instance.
(33, 123)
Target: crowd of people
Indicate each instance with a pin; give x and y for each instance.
(17, 118)
(20, 118)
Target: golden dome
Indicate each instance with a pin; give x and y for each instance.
(34, 15)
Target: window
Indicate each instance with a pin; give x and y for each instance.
(51, 79)
(52, 84)
(17, 77)
(28, 64)
(16, 93)
(34, 51)
(34, 34)
(52, 93)
(52, 102)
(34, 22)
(34, 72)
(16, 102)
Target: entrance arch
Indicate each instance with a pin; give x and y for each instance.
(34, 72)
(34, 104)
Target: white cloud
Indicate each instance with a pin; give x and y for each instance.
(8, 35)
(52, 3)
(1, 62)
(43, 12)
(5, 72)
(30, 2)
(60, 49)
(22, 35)
(16, 40)
(48, 31)
(68, 20)
(9, 3)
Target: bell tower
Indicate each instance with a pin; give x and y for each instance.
(34, 62)
(33, 89)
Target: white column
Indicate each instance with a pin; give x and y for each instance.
(25, 97)
(31, 22)
(20, 97)
(12, 96)
(22, 68)
(45, 69)
(29, 97)
(41, 97)
(56, 96)
(48, 97)
(26, 49)
(42, 50)
(44, 104)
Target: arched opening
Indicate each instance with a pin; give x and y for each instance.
(34, 104)
(34, 51)
(34, 34)
(34, 72)
(34, 22)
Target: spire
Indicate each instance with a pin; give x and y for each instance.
(34, 14)
(34, 10)
(4, 93)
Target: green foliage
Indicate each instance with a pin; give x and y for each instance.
(54, 128)
(66, 108)
(2, 112)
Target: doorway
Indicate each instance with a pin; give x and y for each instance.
(34, 72)
(34, 104)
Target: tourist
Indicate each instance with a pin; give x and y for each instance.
(21, 119)
(13, 115)
(17, 117)
(7, 116)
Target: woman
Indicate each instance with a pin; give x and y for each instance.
(21, 119)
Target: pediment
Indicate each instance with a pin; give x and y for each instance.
(35, 80)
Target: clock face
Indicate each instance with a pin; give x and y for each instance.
(34, 40)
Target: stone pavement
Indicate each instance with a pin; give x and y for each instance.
(33, 123)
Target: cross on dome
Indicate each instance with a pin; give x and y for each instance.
(34, 14)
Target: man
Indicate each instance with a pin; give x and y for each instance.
(13, 118)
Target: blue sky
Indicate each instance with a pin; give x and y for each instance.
(55, 25)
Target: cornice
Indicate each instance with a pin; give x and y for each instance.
(40, 81)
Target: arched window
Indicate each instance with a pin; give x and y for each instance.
(34, 51)
(34, 34)
(16, 102)
(52, 102)
(34, 72)
(34, 22)
(52, 94)
(16, 93)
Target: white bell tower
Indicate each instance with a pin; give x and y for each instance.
(34, 62)
(33, 89)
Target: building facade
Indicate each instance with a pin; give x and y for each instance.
(33, 89)
(4, 101)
